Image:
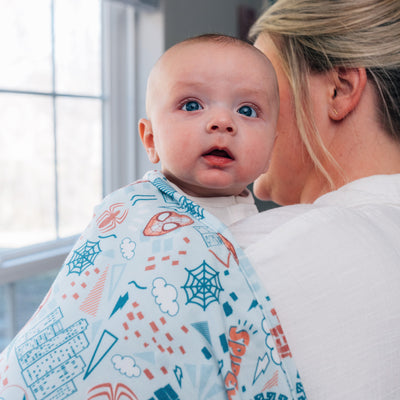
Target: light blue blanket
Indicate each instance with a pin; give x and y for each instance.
(155, 301)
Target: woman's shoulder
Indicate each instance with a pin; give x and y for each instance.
(250, 229)
(364, 206)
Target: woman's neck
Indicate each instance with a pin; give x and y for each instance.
(359, 153)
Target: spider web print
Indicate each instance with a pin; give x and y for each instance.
(83, 257)
(202, 286)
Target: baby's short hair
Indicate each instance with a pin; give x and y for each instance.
(217, 38)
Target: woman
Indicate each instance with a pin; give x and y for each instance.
(332, 266)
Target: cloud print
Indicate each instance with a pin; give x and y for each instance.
(269, 341)
(127, 248)
(126, 365)
(165, 296)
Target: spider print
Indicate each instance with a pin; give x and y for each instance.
(109, 219)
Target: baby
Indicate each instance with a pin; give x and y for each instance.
(156, 300)
(212, 107)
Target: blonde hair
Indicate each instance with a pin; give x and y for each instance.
(318, 35)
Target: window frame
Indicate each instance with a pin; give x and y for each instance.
(126, 62)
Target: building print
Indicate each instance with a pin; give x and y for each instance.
(49, 358)
(38, 330)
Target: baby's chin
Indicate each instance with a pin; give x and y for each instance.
(214, 183)
(213, 191)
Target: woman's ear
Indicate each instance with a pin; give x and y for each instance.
(147, 137)
(348, 86)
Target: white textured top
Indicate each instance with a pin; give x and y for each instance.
(228, 209)
(332, 270)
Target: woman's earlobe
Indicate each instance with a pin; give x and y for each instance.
(147, 137)
(334, 114)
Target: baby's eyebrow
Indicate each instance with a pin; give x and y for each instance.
(255, 94)
(193, 85)
(251, 92)
(241, 90)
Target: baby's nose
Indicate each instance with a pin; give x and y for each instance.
(221, 123)
(222, 127)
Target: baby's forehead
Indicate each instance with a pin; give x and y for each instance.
(209, 53)
(201, 58)
(202, 48)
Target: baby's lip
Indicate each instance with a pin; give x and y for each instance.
(219, 152)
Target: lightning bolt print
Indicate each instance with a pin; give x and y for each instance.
(120, 304)
(262, 365)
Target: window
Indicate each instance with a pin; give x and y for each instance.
(69, 104)
(51, 119)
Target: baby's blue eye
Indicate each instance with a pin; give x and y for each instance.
(192, 106)
(248, 111)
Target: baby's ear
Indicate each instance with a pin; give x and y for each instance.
(147, 137)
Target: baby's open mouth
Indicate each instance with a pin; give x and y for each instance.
(219, 153)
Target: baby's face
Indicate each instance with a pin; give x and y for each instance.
(212, 114)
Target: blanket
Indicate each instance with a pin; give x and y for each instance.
(154, 302)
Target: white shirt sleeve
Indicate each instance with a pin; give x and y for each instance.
(333, 274)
